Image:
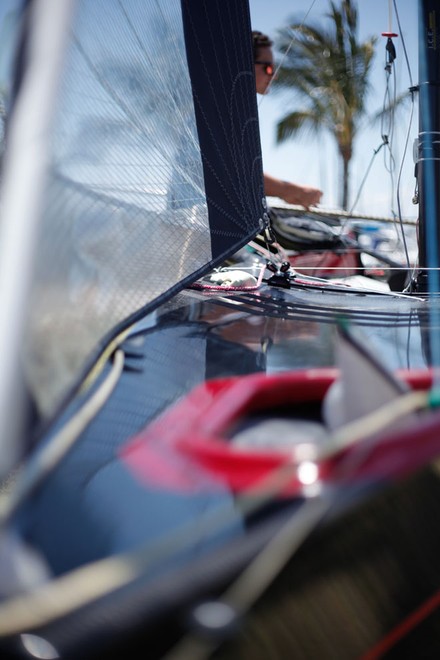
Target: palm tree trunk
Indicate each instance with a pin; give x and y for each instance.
(345, 179)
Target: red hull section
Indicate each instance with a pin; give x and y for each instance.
(326, 263)
(189, 447)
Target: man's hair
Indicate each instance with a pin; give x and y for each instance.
(260, 40)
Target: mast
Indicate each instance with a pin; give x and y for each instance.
(23, 180)
(429, 146)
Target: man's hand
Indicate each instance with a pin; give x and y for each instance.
(292, 193)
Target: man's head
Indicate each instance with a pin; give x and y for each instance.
(263, 60)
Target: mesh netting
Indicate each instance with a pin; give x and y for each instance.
(126, 216)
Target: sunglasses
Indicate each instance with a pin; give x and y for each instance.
(268, 67)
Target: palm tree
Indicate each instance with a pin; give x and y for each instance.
(329, 70)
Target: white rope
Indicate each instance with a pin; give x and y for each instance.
(261, 572)
(82, 586)
(86, 584)
(372, 423)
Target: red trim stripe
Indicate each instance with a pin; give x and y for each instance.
(403, 628)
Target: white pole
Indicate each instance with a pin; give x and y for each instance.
(24, 171)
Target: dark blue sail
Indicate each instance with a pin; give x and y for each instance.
(221, 70)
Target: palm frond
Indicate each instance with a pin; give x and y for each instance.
(296, 123)
(401, 101)
(326, 71)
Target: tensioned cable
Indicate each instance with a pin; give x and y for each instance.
(398, 188)
(403, 44)
(385, 142)
(386, 134)
(409, 127)
(359, 192)
(287, 52)
(412, 90)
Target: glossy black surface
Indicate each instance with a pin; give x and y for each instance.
(195, 337)
(92, 506)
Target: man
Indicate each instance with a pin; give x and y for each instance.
(264, 71)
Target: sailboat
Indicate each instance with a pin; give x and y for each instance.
(205, 453)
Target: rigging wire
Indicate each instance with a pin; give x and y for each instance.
(405, 149)
(280, 64)
(367, 172)
(412, 90)
(389, 110)
(387, 135)
(387, 132)
(404, 45)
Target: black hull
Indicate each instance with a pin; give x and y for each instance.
(199, 336)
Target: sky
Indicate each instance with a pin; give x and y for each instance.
(314, 161)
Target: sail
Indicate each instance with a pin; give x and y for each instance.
(171, 492)
(153, 172)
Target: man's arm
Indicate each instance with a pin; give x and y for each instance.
(292, 193)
